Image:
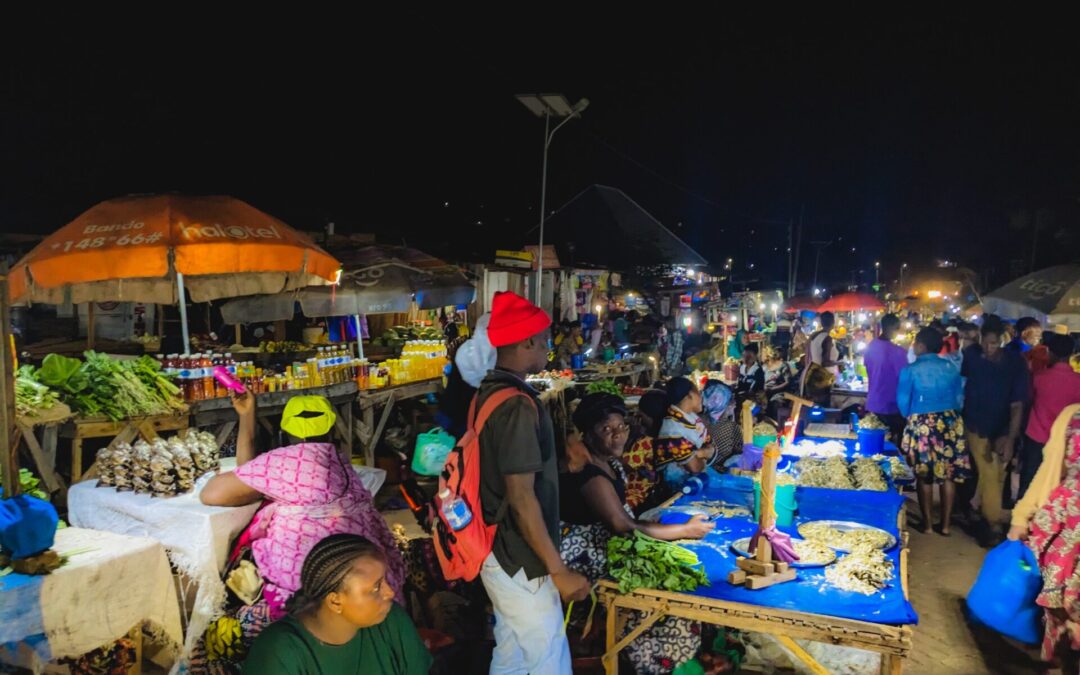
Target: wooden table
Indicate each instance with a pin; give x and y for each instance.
(123, 431)
(366, 430)
(218, 415)
(892, 642)
(43, 448)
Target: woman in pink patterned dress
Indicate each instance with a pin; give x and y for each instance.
(1053, 534)
(311, 492)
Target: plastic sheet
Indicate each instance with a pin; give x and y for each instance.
(809, 592)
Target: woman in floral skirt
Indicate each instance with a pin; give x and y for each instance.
(929, 395)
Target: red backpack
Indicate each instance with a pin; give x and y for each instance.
(461, 554)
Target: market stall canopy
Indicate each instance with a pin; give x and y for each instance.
(801, 304)
(1051, 295)
(131, 248)
(851, 302)
(385, 284)
(602, 226)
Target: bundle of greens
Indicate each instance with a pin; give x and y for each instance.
(604, 387)
(31, 396)
(113, 388)
(639, 561)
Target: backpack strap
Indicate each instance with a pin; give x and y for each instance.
(491, 404)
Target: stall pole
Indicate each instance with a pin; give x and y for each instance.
(91, 326)
(238, 334)
(8, 463)
(183, 312)
(359, 338)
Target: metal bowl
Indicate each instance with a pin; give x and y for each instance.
(849, 526)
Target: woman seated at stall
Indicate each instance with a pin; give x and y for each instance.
(311, 492)
(778, 379)
(639, 460)
(592, 506)
(1046, 516)
(342, 620)
(718, 402)
(683, 447)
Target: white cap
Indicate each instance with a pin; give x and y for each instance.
(445, 494)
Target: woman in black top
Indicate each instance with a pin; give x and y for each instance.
(592, 501)
(592, 507)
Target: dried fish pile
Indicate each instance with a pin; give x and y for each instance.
(824, 473)
(835, 473)
(812, 552)
(871, 421)
(897, 467)
(161, 468)
(846, 540)
(764, 429)
(822, 449)
(864, 570)
(868, 475)
(719, 509)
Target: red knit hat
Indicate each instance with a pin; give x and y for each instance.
(513, 319)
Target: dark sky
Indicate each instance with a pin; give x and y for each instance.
(907, 138)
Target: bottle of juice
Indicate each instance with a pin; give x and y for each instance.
(209, 384)
(217, 360)
(189, 374)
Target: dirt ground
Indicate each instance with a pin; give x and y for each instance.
(942, 570)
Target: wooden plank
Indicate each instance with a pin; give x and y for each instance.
(377, 397)
(45, 469)
(611, 666)
(76, 460)
(612, 654)
(382, 424)
(223, 433)
(890, 636)
(802, 655)
(891, 664)
(9, 463)
(755, 583)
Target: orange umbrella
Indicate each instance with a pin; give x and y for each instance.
(152, 248)
(134, 249)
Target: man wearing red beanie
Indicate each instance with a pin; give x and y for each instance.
(519, 491)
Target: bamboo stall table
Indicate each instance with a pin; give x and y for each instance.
(366, 430)
(218, 416)
(122, 431)
(893, 642)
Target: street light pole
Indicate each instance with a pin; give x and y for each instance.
(903, 266)
(546, 105)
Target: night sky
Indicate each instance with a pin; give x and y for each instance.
(905, 138)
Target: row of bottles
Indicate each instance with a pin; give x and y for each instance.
(334, 364)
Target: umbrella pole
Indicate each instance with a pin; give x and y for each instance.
(359, 337)
(183, 312)
(9, 465)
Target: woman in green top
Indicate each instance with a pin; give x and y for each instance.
(343, 620)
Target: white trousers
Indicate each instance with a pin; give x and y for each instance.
(529, 634)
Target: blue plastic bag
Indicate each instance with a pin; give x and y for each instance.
(1003, 596)
(27, 526)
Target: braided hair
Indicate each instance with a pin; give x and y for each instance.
(326, 567)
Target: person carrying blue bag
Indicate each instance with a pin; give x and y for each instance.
(1047, 519)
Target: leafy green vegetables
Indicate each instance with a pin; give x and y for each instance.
(113, 388)
(32, 396)
(604, 387)
(639, 561)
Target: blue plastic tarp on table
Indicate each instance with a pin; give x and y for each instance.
(809, 592)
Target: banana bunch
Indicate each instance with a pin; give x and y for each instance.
(223, 640)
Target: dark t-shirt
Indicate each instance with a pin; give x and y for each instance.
(991, 388)
(391, 648)
(572, 505)
(514, 441)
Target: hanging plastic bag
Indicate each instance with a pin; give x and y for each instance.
(430, 452)
(1003, 596)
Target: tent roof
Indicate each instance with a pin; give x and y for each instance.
(603, 226)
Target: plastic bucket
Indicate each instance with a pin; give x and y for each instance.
(871, 441)
(577, 361)
(785, 505)
(751, 457)
(762, 441)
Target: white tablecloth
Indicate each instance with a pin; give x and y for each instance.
(96, 597)
(196, 536)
